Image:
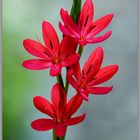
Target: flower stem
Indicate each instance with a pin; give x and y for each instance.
(67, 83)
(74, 13)
(63, 138)
(75, 10)
(54, 136)
(60, 80)
(66, 86)
(80, 50)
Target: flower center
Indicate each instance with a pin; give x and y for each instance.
(56, 61)
(81, 90)
(82, 37)
(59, 121)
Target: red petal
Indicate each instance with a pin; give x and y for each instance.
(71, 80)
(76, 71)
(65, 31)
(55, 69)
(75, 120)
(100, 90)
(105, 74)
(100, 39)
(42, 124)
(73, 104)
(93, 63)
(99, 25)
(86, 14)
(37, 64)
(58, 97)
(69, 23)
(60, 130)
(50, 37)
(68, 46)
(43, 105)
(70, 60)
(35, 48)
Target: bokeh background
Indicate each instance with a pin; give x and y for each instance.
(109, 117)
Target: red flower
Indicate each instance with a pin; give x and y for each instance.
(85, 81)
(86, 29)
(54, 55)
(59, 110)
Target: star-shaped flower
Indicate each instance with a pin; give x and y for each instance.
(86, 30)
(53, 55)
(59, 110)
(86, 81)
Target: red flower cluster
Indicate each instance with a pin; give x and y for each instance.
(55, 55)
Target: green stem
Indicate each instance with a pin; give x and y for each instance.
(67, 83)
(55, 137)
(75, 11)
(66, 86)
(60, 80)
(63, 138)
(80, 50)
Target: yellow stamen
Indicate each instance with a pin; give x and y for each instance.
(56, 61)
(59, 121)
(82, 38)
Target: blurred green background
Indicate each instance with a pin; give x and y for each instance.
(109, 117)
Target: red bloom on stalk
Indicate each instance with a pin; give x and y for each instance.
(86, 81)
(59, 110)
(53, 55)
(86, 29)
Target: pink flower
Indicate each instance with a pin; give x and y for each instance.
(86, 81)
(59, 110)
(53, 55)
(86, 30)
